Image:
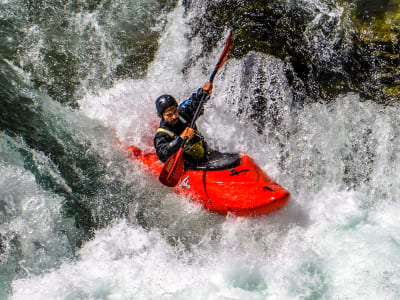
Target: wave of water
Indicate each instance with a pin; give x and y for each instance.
(338, 237)
(69, 48)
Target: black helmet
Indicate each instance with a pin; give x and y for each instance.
(163, 102)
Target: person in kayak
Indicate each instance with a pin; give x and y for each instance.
(175, 126)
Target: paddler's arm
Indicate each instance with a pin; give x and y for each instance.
(196, 97)
(167, 146)
(189, 106)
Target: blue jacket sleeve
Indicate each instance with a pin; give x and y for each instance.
(188, 107)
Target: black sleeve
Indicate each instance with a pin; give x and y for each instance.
(166, 145)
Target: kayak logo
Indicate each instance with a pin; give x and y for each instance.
(185, 182)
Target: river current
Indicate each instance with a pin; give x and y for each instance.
(337, 238)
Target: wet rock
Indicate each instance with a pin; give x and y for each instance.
(331, 47)
(377, 28)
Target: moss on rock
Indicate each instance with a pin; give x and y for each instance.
(332, 47)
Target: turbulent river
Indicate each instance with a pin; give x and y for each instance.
(80, 220)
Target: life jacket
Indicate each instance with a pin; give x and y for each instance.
(195, 150)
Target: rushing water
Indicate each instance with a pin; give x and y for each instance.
(63, 173)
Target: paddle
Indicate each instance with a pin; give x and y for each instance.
(174, 167)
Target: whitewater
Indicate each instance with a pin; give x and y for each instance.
(337, 238)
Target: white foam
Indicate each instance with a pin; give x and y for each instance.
(338, 237)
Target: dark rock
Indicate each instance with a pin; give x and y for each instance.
(332, 47)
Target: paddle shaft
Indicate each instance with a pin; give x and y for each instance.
(219, 64)
(199, 107)
(173, 168)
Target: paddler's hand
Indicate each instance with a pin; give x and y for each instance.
(208, 86)
(188, 132)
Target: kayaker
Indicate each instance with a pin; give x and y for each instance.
(175, 126)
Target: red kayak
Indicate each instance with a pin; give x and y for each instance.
(227, 183)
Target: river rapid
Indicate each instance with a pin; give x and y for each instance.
(80, 220)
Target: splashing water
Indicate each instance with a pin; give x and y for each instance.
(337, 238)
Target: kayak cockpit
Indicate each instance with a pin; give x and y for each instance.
(215, 161)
